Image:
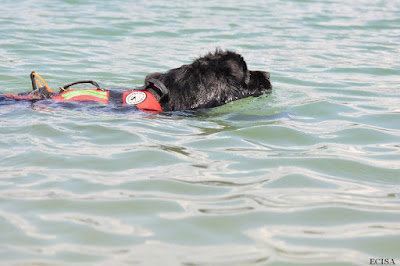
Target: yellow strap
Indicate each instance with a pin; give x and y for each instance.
(38, 83)
(42, 80)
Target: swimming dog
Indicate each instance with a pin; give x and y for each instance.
(209, 81)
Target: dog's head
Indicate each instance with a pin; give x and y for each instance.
(232, 68)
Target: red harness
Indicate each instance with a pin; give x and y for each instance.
(146, 98)
(143, 99)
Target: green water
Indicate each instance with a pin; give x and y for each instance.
(309, 175)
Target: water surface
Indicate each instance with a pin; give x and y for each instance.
(308, 175)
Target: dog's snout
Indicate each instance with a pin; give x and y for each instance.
(267, 75)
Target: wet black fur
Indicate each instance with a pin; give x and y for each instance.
(210, 81)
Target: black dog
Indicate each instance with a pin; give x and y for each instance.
(210, 81)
